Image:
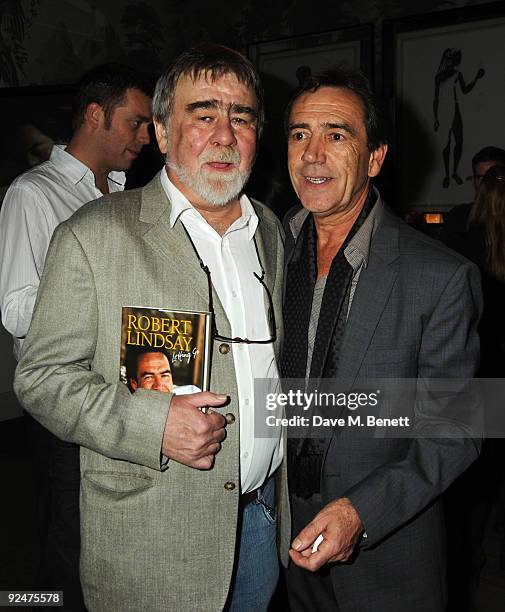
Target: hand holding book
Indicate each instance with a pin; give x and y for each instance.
(192, 437)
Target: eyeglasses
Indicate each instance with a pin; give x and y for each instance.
(271, 316)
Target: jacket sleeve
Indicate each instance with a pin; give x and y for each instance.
(55, 380)
(440, 448)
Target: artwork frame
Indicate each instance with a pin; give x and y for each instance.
(422, 57)
(359, 38)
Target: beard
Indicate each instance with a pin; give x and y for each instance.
(216, 188)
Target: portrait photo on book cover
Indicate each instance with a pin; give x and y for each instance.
(165, 350)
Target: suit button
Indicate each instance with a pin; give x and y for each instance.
(230, 418)
(229, 486)
(224, 348)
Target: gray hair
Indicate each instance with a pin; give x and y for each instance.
(207, 59)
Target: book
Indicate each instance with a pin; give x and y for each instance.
(165, 350)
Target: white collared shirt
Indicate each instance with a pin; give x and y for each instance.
(232, 259)
(34, 205)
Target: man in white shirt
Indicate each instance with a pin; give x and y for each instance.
(111, 117)
(177, 494)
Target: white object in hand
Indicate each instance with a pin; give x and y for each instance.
(185, 389)
(317, 541)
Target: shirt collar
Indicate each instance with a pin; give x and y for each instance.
(181, 204)
(358, 249)
(359, 245)
(75, 170)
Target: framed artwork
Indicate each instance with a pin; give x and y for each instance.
(443, 79)
(290, 60)
(283, 65)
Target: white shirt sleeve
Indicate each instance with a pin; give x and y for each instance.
(24, 240)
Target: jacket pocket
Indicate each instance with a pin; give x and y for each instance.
(107, 488)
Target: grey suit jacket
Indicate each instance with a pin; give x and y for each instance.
(414, 314)
(151, 539)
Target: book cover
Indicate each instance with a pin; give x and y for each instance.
(165, 350)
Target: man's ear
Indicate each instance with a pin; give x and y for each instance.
(377, 157)
(133, 384)
(94, 115)
(161, 136)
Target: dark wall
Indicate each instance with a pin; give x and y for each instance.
(54, 41)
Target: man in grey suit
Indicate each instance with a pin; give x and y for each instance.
(368, 297)
(177, 503)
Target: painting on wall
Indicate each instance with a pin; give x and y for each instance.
(290, 60)
(283, 65)
(443, 76)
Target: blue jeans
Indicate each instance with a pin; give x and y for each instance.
(257, 569)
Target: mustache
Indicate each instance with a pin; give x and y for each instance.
(223, 155)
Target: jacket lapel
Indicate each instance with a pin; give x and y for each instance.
(372, 293)
(172, 244)
(266, 239)
(267, 236)
(371, 296)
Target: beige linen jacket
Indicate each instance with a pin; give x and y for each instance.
(151, 539)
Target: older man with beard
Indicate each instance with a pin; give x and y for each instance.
(176, 512)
